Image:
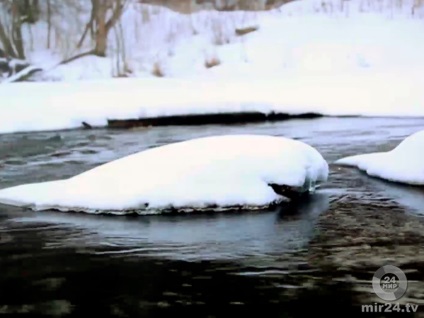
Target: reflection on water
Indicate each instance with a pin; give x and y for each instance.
(237, 235)
(411, 197)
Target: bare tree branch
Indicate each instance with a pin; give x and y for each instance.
(116, 14)
(102, 27)
(75, 57)
(89, 25)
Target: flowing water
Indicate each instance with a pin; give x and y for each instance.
(203, 265)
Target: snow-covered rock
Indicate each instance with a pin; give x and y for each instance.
(403, 164)
(206, 173)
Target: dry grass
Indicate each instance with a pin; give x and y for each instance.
(157, 70)
(212, 62)
(390, 7)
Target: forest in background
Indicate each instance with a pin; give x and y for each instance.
(102, 17)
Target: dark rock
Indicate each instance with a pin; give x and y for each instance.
(288, 191)
(86, 125)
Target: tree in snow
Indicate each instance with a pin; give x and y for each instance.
(15, 14)
(189, 6)
(104, 16)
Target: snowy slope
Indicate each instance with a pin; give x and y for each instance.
(330, 57)
(403, 164)
(302, 36)
(210, 172)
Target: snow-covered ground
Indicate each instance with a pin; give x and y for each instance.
(302, 36)
(50, 106)
(331, 57)
(210, 172)
(403, 164)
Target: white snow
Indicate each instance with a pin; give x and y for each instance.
(403, 164)
(302, 36)
(217, 171)
(21, 74)
(332, 57)
(50, 106)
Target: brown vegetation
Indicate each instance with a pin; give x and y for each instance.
(157, 70)
(212, 62)
(244, 31)
(189, 6)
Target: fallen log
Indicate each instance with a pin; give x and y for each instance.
(205, 119)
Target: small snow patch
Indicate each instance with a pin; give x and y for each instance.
(403, 164)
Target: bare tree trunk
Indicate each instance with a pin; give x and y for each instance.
(101, 32)
(20, 11)
(88, 27)
(124, 51)
(117, 7)
(49, 23)
(28, 9)
(118, 53)
(16, 31)
(121, 56)
(102, 27)
(17, 39)
(7, 44)
(31, 38)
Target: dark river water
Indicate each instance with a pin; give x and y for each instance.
(201, 265)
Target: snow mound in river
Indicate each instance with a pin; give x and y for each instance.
(211, 172)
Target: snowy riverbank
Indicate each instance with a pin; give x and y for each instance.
(51, 106)
(331, 58)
